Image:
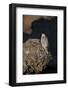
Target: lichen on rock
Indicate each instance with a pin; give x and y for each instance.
(35, 57)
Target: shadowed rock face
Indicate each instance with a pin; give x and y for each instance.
(28, 19)
(35, 57)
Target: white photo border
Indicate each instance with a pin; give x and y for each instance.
(20, 78)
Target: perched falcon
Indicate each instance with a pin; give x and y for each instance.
(44, 42)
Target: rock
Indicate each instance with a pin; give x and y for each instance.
(35, 57)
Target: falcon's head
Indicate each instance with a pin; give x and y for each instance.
(43, 37)
(44, 41)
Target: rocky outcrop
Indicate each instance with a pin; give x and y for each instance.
(35, 57)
